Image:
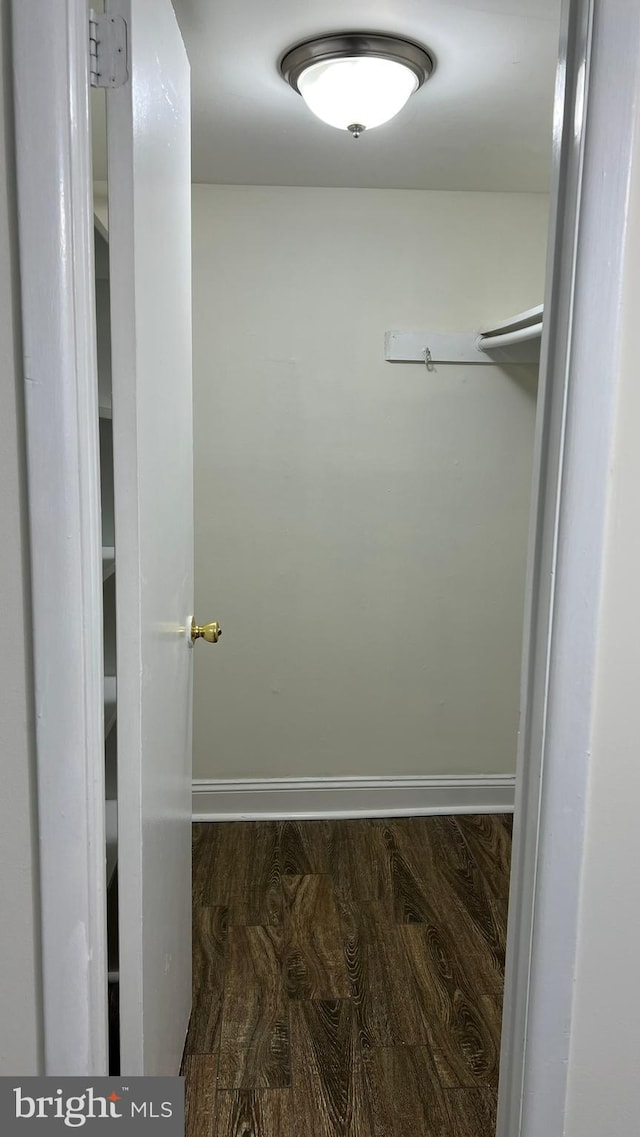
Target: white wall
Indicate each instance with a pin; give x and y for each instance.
(20, 1027)
(603, 1088)
(360, 526)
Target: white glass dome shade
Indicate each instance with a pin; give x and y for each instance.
(364, 91)
(356, 81)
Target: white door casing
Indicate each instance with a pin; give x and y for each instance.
(55, 212)
(596, 118)
(149, 188)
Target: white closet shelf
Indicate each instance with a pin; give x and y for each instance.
(109, 703)
(515, 340)
(105, 410)
(101, 209)
(518, 329)
(111, 833)
(108, 561)
(524, 319)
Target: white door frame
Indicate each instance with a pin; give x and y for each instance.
(55, 213)
(596, 103)
(598, 85)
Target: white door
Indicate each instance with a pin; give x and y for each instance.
(149, 186)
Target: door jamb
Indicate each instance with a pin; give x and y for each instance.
(55, 227)
(597, 94)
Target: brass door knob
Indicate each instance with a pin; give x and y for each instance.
(209, 632)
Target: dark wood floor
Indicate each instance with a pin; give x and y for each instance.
(347, 977)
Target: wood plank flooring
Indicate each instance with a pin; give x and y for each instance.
(347, 977)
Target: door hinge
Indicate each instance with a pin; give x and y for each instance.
(108, 56)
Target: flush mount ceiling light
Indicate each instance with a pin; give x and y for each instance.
(355, 81)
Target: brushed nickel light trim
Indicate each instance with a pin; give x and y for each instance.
(348, 45)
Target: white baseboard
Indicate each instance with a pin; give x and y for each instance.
(260, 799)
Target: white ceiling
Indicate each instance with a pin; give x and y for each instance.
(482, 122)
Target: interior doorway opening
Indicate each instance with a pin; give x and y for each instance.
(369, 355)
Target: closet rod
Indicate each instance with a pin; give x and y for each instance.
(488, 342)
